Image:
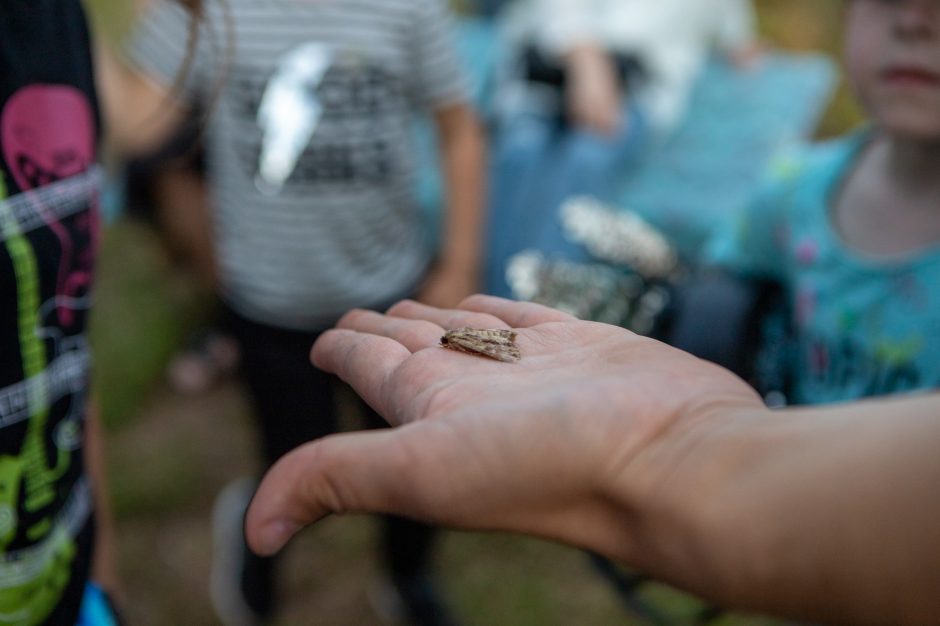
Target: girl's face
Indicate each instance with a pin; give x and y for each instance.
(893, 61)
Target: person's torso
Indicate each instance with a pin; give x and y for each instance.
(48, 231)
(864, 327)
(311, 160)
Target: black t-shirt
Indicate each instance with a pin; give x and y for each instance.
(49, 126)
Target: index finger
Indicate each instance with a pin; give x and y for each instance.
(516, 314)
(363, 360)
(446, 319)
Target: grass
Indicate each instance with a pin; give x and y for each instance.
(169, 455)
(144, 308)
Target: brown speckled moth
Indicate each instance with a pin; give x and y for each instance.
(496, 344)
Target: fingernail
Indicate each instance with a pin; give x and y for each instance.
(275, 535)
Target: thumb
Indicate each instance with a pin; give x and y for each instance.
(364, 472)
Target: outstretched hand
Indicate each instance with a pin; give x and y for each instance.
(552, 445)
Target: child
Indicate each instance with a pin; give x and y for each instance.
(52, 491)
(852, 228)
(310, 171)
(589, 84)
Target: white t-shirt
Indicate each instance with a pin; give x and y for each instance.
(673, 37)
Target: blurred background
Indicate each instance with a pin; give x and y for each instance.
(166, 464)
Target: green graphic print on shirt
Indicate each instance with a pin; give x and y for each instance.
(43, 588)
(49, 126)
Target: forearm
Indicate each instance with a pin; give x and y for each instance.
(585, 60)
(824, 514)
(463, 156)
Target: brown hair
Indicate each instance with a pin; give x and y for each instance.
(197, 22)
(196, 10)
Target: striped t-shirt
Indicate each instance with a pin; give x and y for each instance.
(310, 153)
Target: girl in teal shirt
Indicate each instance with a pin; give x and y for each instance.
(851, 228)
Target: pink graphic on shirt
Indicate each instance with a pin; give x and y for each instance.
(48, 134)
(819, 358)
(807, 251)
(806, 300)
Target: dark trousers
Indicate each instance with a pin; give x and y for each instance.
(296, 403)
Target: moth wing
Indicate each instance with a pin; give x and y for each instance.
(459, 346)
(497, 344)
(507, 353)
(507, 336)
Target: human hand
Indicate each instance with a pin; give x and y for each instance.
(549, 446)
(595, 101)
(446, 286)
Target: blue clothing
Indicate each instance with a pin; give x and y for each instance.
(96, 609)
(539, 163)
(863, 326)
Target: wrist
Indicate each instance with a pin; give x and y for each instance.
(682, 497)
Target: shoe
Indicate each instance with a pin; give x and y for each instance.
(412, 601)
(240, 583)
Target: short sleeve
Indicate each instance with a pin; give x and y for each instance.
(755, 240)
(159, 46)
(439, 78)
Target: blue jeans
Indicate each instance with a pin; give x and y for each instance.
(538, 163)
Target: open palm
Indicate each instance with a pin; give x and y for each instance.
(541, 446)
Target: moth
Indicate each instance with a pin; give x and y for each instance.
(496, 344)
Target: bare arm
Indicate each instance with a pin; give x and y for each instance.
(595, 97)
(457, 273)
(140, 113)
(616, 443)
(826, 514)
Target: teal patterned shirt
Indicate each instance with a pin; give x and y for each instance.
(863, 326)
